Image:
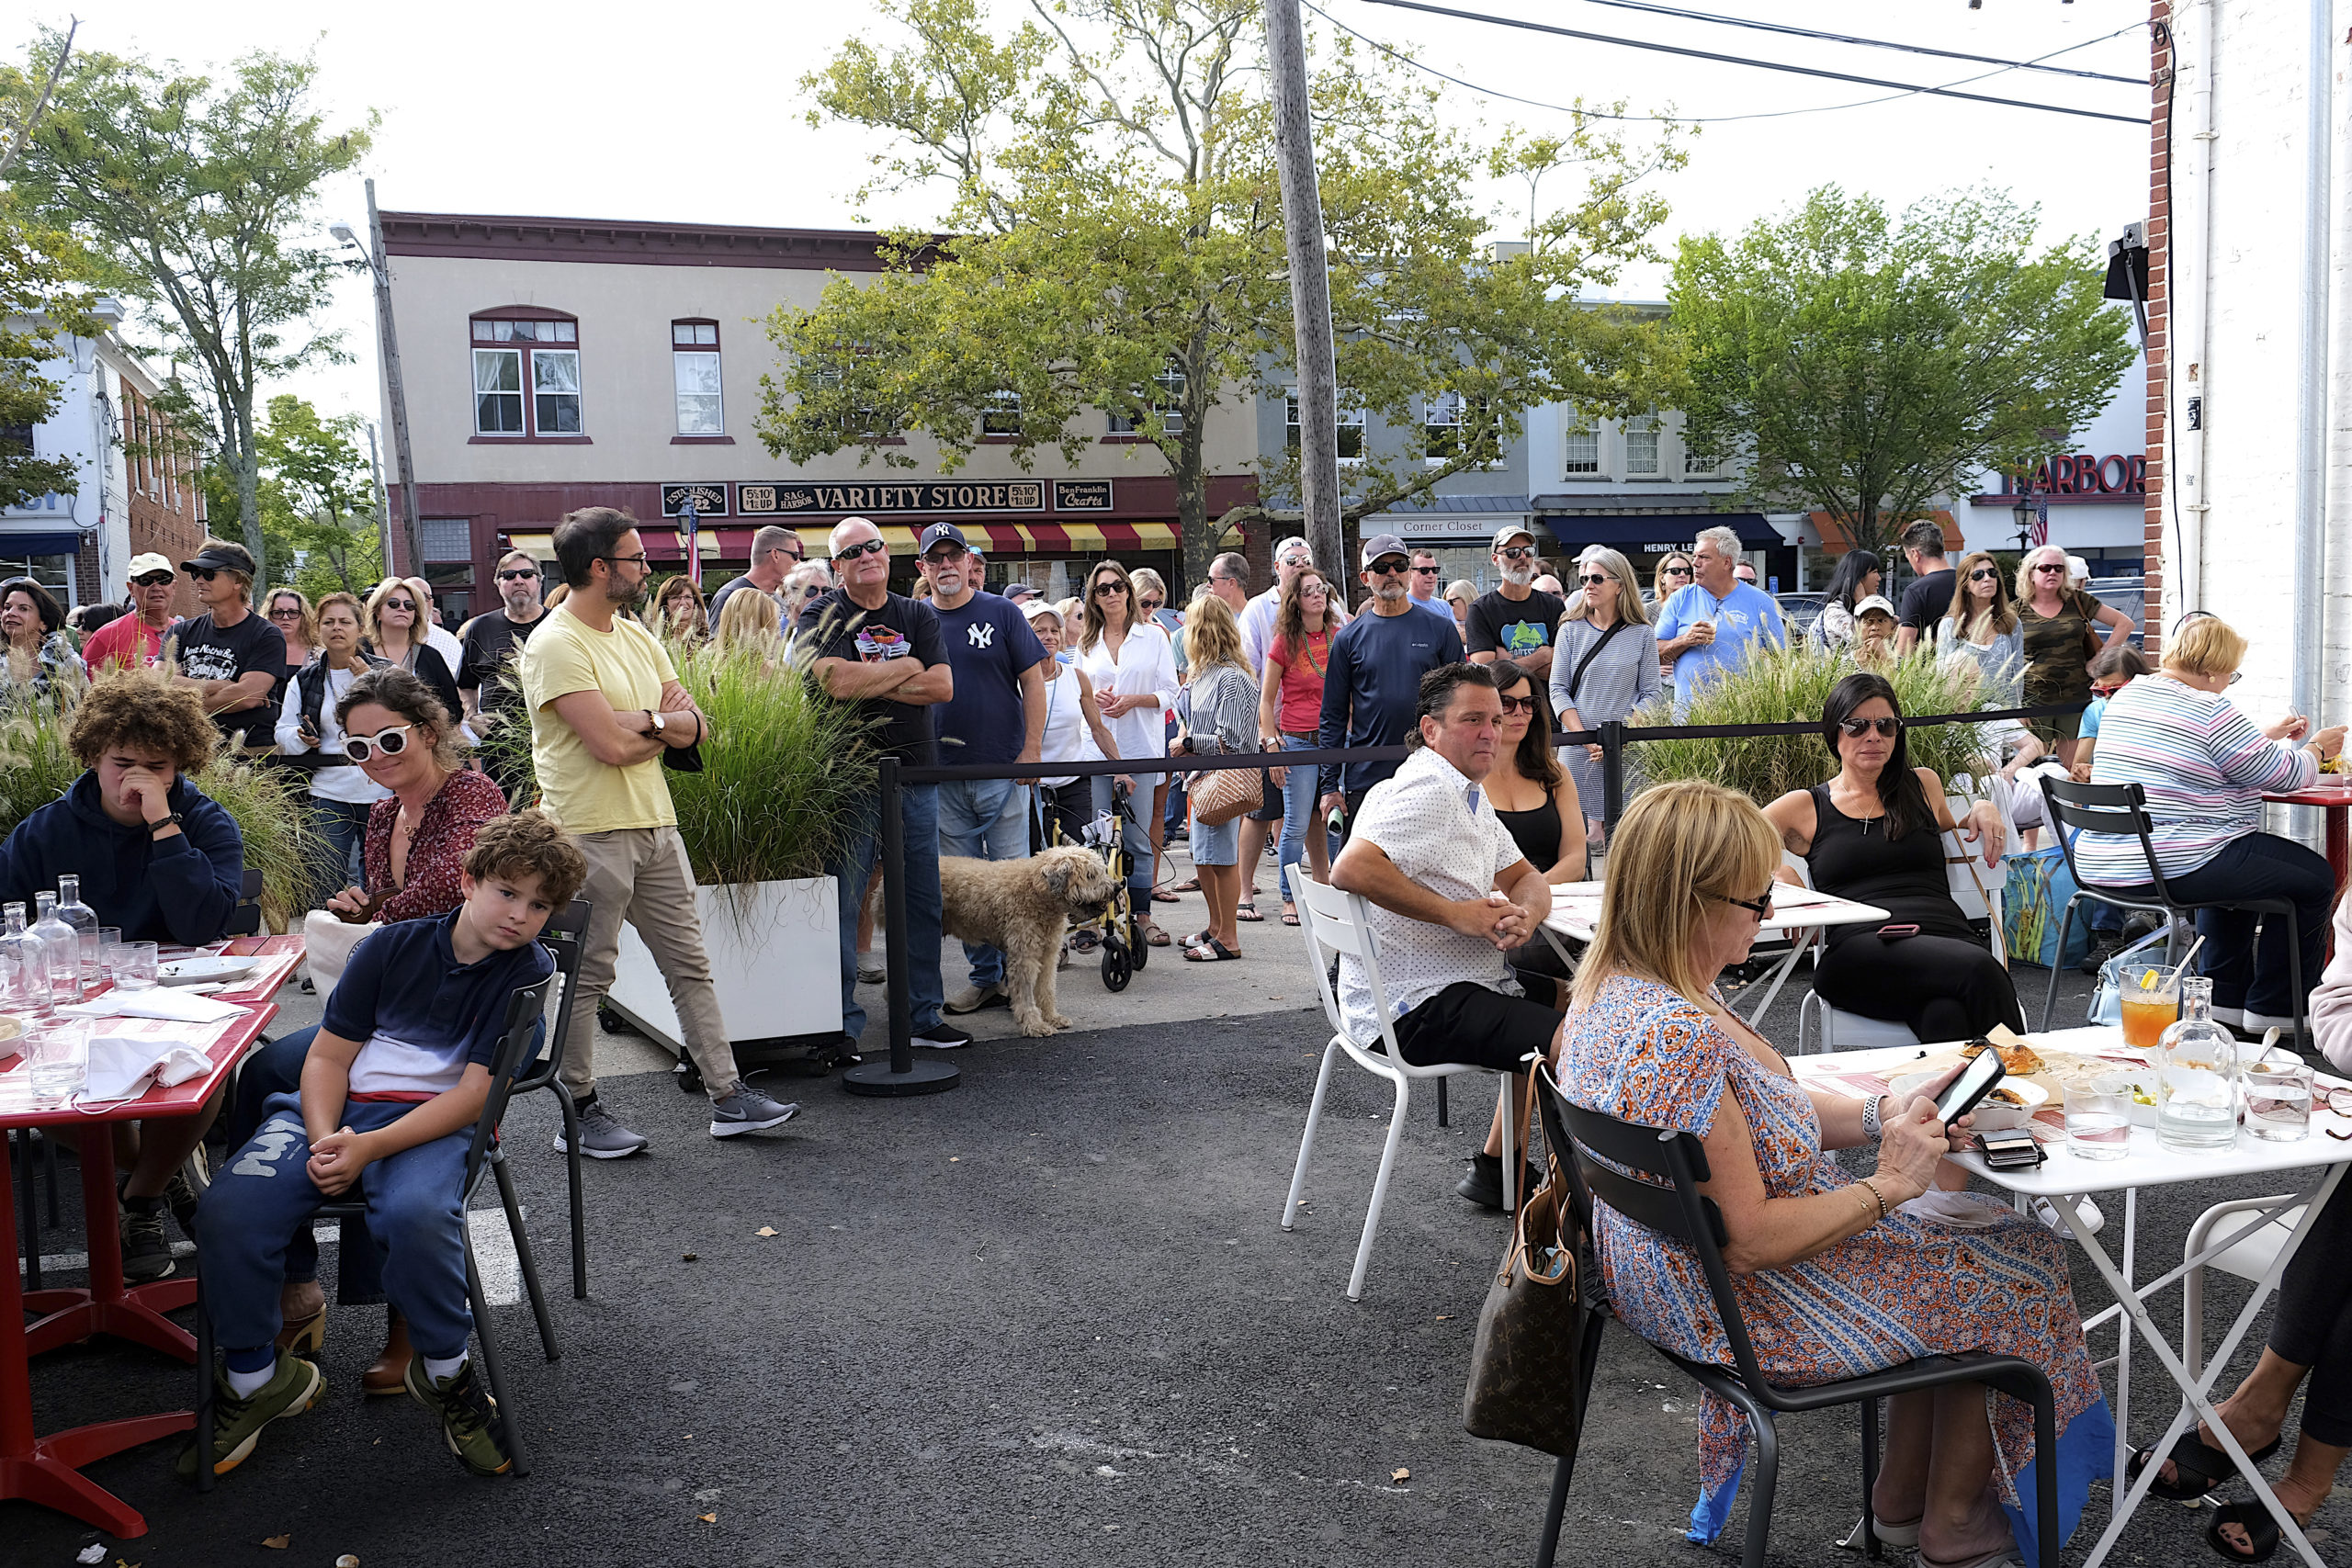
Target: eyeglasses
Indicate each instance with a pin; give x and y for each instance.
(1855, 729)
(1518, 704)
(400, 603)
(1424, 571)
(2050, 566)
(2339, 1101)
(1761, 908)
(939, 553)
(201, 573)
(392, 742)
(1107, 587)
(637, 560)
(871, 546)
(295, 613)
(517, 576)
(1387, 566)
(1594, 579)
(153, 580)
(1983, 574)
(1678, 572)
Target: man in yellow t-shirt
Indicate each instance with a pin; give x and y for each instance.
(604, 705)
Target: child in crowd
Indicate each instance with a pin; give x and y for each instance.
(392, 1091)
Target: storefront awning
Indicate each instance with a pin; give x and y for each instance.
(997, 541)
(40, 541)
(1835, 540)
(1639, 533)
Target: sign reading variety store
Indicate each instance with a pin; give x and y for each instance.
(929, 498)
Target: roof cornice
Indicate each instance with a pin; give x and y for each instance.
(483, 237)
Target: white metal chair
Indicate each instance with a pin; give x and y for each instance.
(1338, 923)
(2249, 1257)
(1978, 894)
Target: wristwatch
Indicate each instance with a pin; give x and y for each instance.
(656, 720)
(171, 821)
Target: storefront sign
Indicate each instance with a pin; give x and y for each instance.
(2118, 474)
(709, 501)
(1081, 495)
(774, 499)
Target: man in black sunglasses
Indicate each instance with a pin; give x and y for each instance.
(1372, 686)
(776, 551)
(483, 681)
(136, 641)
(234, 658)
(1514, 620)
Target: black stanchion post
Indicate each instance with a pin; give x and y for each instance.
(902, 1074)
(1613, 770)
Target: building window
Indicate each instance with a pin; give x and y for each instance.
(1696, 463)
(1442, 426)
(511, 354)
(1003, 414)
(1580, 450)
(444, 538)
(1641, 446)
(1167, 398)
(694, 366)
(1350, 427)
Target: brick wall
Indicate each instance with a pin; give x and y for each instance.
(2159, 295)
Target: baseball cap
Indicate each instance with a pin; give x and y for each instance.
(1019, 592)
(222, 558)
(148, 564)
(1509, 531)
(936, 533)
(1381, 545)
(1874, 602)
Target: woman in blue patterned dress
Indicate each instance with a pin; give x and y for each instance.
(1836, 1276)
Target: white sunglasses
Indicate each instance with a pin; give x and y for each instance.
(392, 742)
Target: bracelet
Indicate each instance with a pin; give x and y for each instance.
(173, 820)
(1873, 1126)
(1866, 1181)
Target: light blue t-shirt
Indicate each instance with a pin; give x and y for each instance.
(2091, 716)
(1434, 606)
(1742, 618)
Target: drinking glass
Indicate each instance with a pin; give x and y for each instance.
(138, 972)
(57, 1058)
(2150, 1002)
(2098, 1118)
(109, 951)
(2279, 1100)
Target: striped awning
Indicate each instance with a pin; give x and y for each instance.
(999, 539)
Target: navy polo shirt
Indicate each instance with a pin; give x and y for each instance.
(420, 1016)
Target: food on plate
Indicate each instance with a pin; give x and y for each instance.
(2017, 1059)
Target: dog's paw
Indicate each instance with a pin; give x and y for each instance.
(1036, 1027)
(1057, 1020)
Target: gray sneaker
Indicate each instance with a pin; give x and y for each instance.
(870, 970)
(745, 1110)
(601, 1137)
(145, 1254)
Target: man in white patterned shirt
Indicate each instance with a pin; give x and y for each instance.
(1450, 894)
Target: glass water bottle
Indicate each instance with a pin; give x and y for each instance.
(62, 951)
(24, 965)
(2201, 1091)
(84, 922)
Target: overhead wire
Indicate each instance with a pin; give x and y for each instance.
(1905, 89)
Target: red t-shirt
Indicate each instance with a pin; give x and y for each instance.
(126, 639)
(1301, 688)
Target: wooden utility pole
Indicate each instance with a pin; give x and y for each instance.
(1310, 288)
(411, 530)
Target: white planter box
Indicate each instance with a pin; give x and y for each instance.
(774, 953)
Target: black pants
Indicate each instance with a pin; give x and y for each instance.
(1467, 1022)
(1940, 987)
(2313, 1325)
(2249, 973)
(1066, 806)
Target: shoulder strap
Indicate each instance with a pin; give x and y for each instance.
(1576, 676)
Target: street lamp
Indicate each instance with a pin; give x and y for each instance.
(2023, 512)
(389, 345)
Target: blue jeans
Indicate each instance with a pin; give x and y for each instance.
(261, 1199)
(984, 819)
(1299, 815)
(274, 1071)
(1137, 836)
(343, 831)
(919, 814)
(2247, 974)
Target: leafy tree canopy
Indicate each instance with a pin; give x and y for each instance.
(1110, 238)
(319, 515)
(1868, 365)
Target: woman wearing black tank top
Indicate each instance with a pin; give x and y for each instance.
(1874, 834)
(1534, 797)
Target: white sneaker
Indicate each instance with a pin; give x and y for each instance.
(870, 971)
(2088, 1211)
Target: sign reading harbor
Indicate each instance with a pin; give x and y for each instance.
(926, 496)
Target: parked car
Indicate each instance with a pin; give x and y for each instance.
(1800, 611)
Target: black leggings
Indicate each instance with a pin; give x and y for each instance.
(1940, 987)
(2313, 1325)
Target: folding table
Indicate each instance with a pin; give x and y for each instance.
(2317, 1160)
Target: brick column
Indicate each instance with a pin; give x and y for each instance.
(2159, 296)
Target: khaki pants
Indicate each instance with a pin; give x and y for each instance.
(641, 874)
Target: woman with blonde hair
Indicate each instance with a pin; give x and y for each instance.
(396, 635)
(1604, 665)
(2056, 624)
(1836, 1276)
(289, 611)
(1219, 709)
(1671, 574)
(1460, 595)
(750, 622)
(1134, 670)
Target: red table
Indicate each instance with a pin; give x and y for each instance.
(2334, 798)
(48, 1470)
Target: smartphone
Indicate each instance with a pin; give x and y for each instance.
(1896, 932)
(1975, 1081)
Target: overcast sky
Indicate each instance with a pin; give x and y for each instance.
(695, 114)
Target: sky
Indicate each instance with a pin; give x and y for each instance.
(589, 111)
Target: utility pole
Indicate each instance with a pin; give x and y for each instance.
(1310, 288)
(411, 529)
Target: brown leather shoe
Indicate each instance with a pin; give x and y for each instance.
(390, 1374)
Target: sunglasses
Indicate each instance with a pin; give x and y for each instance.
(400, 603)
(946, 553)
(2099, 690)
(1983, 574)
(1389, 566)
(1678, 572)
(1104, 590)
(293, 615)
(516, 575)
(810, 591)
(1155, 603)
(1594, 579)
(1515, 552)
(871, 546)
(154, 580)
(1315, 589)
(392, 742)
(1855, 729)
(202, 573)
(2050, 566)
(1761, 908)
(1425, 571)
(1518, 704)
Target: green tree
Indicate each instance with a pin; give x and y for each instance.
(1868, 365)
(196, 197)
(1111, 240)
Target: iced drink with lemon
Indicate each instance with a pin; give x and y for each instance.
(2150, 1003)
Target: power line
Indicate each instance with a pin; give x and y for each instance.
(1403, 58)
(1906, 87)
(1783, 27)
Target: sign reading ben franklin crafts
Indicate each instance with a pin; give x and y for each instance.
(773, 500)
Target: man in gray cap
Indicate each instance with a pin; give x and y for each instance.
(1372, 686)
(1515, 620)
(234, 658)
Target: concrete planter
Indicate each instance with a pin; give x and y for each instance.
(774, 953)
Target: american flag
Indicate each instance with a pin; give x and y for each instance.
(2040, 521)
(690, 541)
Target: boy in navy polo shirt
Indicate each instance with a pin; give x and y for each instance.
(391, 1090)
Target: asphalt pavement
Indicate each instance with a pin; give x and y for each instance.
(1048, 1318)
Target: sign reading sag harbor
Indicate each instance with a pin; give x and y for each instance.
(928, 496)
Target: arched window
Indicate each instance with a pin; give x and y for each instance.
(527, 373)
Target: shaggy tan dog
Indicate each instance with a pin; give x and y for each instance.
(1023, 906)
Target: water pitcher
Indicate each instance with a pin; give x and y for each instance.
(84, 922)
(2200, 1089)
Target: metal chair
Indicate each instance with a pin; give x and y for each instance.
(1662, 1192)
(524, 1009)
(1548, 1100)
(2250, 1256)
(566, 937)
(1338, 923)
(245, 919)
(2122, 810)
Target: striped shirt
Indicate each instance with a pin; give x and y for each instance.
(2205, 767)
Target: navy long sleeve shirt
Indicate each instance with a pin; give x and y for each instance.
(1373, 686)
(179, 888)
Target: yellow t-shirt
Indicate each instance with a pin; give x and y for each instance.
(631, 667)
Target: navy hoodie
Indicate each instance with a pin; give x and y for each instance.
(176, 889)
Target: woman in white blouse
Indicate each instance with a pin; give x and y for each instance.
(1134, 672)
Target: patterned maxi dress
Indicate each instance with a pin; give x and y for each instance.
(1909, 1286)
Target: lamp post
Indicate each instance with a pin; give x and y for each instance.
(389, 344)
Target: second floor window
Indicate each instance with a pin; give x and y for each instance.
(694, 366)
(527, 376)
(1003, 415)
(1580, 450)
(1350, 427)
(1165, 394)
(1641, 446)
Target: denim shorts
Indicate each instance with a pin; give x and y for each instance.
(1220, 845)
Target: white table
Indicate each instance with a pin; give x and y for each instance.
(1576, 912)
(2317, 1162)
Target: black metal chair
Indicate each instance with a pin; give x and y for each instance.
(2122, 810)
(523, 1011)
(566, 937)
(1663, 1193)
(1548, 1101)
(245, 919)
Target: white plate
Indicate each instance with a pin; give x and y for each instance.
(203, 971)
(1992, 1115)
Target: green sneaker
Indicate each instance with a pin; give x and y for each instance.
(469, 1415)
(294, 1386)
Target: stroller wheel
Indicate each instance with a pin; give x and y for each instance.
(1116, 971)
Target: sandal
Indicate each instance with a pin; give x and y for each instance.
(1289, 914)
(1153, 936)
(1190, 885)
(1210, 952)
(1248, 911)
(1162, 895)
(2200, 1466)
(2262, 1532)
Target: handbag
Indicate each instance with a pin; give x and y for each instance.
(327, 942)
(1527, 1365)
(1219, 797)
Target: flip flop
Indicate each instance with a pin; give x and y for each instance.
(2198, 1462)
(1210, 952)
(1190, 885)
(1162, 895)
(1248, 911)
(1290, 916)
(2262, 1532)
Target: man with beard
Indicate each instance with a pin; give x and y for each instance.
(1372, 686)
(1516, 620)
(604, 706)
